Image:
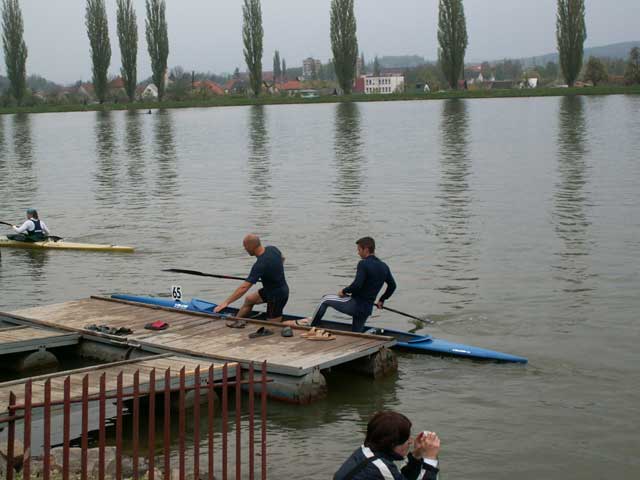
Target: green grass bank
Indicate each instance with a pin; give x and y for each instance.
(231, 101)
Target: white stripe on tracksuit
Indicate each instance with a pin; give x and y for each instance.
(381, 466)
(335, 298)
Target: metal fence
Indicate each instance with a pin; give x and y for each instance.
(205, 441)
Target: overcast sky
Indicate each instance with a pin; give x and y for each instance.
(205, 35)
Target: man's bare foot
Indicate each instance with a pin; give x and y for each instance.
(304, 322)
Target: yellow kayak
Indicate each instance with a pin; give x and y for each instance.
(62, 245)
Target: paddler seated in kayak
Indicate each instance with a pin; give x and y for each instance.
(358, 299)
(268, 269)
(32, 230)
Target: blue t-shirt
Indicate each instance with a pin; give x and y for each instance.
(269, 269)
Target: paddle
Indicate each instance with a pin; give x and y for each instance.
(50, 237)
(425, 320)
(202, 274)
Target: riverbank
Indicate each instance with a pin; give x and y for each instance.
(236, 100)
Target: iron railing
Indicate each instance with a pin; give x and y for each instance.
(20, 418)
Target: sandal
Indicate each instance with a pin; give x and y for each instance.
(236, 323)
(312, 332)
(261, 332)
(324, 336)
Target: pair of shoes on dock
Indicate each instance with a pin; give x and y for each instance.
(236, 323)
(106, 329)
(318, 334)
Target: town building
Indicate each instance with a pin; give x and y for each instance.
(386, 84)
(311, 68)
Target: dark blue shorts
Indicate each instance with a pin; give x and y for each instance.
(275, 302)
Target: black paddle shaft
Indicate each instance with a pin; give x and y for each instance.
(202, 274)
(426, 320)
(7, 223)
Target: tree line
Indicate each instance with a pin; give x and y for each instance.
(15, 49)
(452, 39)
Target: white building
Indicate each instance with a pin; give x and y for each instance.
(310, 68)
(385, 85)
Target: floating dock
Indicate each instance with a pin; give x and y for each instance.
(294, 364)
(19, 339)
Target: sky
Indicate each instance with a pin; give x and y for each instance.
(205, 35)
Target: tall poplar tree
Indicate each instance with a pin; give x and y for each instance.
(453, 40)
(15, 49)
(277, 69)
(252, 34)
(571, 32)
(157, 42)
(344, 42)
(284, 70)
(98, 32)
(128, 37)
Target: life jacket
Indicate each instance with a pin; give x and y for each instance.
(37, 233)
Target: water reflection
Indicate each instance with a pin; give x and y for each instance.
(2, 142)
(106, 175)
(259, 165)
(570, 199)
(135, 154)
(20, 169)
(165, 153)
(348, 152)
(455, 251)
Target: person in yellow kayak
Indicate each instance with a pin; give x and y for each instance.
(32, 230)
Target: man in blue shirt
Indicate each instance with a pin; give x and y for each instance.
(268, 269)
(358, 299)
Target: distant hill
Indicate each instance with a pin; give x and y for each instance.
(400, 61)
(615, 50)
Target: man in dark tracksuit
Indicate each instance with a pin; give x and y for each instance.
(364, 464)
(358, 299)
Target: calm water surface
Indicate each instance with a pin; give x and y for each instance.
(514, 224)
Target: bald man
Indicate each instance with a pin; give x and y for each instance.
(268, 269)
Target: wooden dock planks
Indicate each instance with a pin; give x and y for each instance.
(111, 370)
(198, 334)
(19, 339)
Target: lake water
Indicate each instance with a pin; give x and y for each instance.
(513, 223)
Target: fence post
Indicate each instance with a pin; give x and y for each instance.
(11, 436)
(263, 413)
(136, 421)
(66, 429)
(152, 423)
(225, 419)
(85, 425)
(238, 418)
(196, 424)
(26, 452)
(167, 424)
(251, 422)
(210, 411)
(119, 427)
(102, 421)
(46, 462)
(181, 424)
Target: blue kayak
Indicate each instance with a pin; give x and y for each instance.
(405, 340)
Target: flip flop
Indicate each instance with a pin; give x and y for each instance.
(236, 323)
(303, 322)
(314, 331)
(287, 332)
(323, 337)
(261, 332)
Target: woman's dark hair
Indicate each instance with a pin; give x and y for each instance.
(387, 430)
